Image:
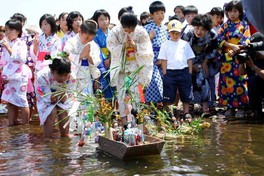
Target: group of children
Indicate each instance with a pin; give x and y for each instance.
(180, 59)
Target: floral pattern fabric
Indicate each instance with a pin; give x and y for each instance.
(50, 44)
(44, 88)
(16, 72)
(232, 85)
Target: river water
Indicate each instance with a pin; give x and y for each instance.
(222, 149)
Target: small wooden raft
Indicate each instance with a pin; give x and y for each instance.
(152, 146)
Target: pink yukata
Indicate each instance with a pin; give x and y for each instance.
(45, 84)
(50, 45)
(17, 73)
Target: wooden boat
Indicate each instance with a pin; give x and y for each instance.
(152, 146)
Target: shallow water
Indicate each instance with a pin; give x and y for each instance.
(222, 149)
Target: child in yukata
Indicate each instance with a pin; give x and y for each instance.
(102, 18)
(130, 47)
(74, 22)
(203, 41)
(85, 57)
(46, 43)
(15, 73)
(29, 41)
(53, 97)
(158, 34)
(232, 36)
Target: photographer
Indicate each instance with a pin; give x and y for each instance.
(259, 72)
(254, 60)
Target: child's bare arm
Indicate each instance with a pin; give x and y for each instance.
(190, 65)
(164, 66)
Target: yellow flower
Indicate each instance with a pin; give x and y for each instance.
(225, 102)
(226, 67)
(239, 90)
(230, 82)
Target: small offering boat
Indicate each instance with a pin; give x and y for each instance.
(123, 151)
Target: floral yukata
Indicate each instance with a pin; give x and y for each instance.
(47, 45)
(232, 85)
(82, 70)
(16, 72)
(154, 92)
(203, 48)
(30, 89)
(123, 64)
(45, 86)
(104, 79)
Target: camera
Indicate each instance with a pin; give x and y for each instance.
(256, 44)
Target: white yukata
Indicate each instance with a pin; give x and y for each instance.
(83, 74)
(143, 57)
(17, 73)
(45, 83)
(51, 45)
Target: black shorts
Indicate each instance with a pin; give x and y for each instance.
(177, 80)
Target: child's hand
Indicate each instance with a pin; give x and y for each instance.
(158, 63)
(4, 43)
(152, 34)
(107, 63)
(86, 52)
(130, 42)
(4, 81)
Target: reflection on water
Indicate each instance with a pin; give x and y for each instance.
(223, 149)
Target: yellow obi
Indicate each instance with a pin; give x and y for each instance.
(105, 52)
(130, 54)
(60, 34)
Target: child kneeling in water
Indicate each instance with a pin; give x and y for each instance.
(52, 95)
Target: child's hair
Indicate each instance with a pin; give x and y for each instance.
(143, 15)
(61, 64)
(174, 17)
(20, 17)
(71, 17)
(190, 9)
(156, 6)
(125, 9)
(128, 20)
(89, 27)
(217, 11)
(98, 13)
(16, 25)
(202, 20)
(60, 17)
(179, 7)
(50, 20)
(235, 4)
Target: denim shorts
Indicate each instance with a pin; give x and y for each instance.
(180, 80)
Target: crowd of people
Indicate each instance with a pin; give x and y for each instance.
(193, 58)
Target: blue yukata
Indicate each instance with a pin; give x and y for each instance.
(154, 92)
(104, 79)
